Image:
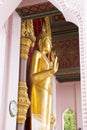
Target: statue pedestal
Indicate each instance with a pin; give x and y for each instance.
(38, 124)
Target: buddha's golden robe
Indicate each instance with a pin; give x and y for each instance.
(41, 88)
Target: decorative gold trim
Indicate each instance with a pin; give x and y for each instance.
(48, 28)
(23, 102)
(27, 38)
(25, 46)
(52, 121)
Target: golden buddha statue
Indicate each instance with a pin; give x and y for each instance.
(41, 72)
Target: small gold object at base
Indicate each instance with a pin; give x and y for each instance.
(23, 103)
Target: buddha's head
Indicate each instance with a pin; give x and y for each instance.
(44, 41)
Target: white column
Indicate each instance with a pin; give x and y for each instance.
(54, 100)
(11, 72)
(2, 62)
(83, 62)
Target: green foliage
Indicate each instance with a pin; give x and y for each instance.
(69, 120)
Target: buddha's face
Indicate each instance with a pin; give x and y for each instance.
(46, 45)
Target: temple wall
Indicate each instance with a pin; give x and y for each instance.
(9, 67)
(2, 62)
(68, 96)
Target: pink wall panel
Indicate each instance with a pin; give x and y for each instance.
(31, 2)
(68, 96)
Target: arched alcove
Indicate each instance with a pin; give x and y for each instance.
(69, 120)
(75, 11)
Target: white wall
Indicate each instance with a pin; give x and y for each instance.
(2, 61)
(10, 70)
(6, 9)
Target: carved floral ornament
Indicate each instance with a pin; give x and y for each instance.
(70, 7)
(71, 3)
